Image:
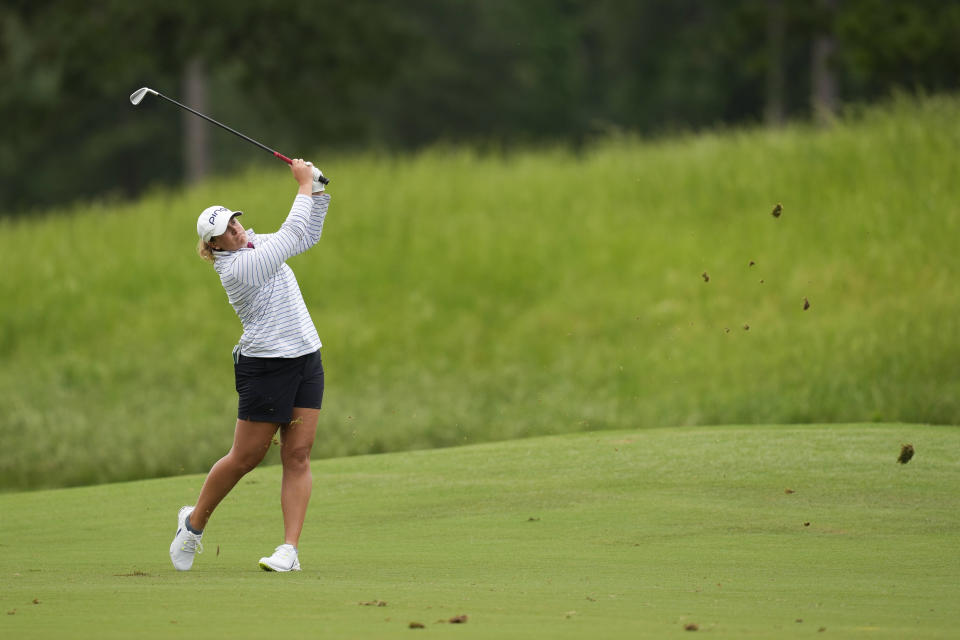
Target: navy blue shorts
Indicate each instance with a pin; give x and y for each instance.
(270, 388)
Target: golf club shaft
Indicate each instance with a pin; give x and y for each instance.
(275, 154)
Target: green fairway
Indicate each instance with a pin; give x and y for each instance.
(610, 534)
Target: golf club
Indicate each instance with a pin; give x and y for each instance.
(137, 97)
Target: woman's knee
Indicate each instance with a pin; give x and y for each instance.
(295, 458)
(246, 461)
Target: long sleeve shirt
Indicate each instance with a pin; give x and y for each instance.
(263, 290)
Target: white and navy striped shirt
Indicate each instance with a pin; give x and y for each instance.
(263, 290)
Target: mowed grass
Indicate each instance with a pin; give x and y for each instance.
(613, 534)
(465, 297)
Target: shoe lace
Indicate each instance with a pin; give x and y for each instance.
(191, 543)
(285, 553)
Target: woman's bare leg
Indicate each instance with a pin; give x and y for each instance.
(251, 440)
(297, 440)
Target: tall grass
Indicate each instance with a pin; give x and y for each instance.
(465, 297)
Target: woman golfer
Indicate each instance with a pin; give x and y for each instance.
(277, 365)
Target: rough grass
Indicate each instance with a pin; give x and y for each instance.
(467, 297)
(626, 534)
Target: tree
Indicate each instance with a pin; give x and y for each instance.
(405, 75)
(776, 31)
(196, 141)
(823, 79)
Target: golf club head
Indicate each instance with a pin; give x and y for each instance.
(137, 95)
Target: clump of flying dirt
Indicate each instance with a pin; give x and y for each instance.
(776, 212)
(417, 625)
(906, 453)
(693, 626)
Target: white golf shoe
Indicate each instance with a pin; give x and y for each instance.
(284, 558)
(186, 543)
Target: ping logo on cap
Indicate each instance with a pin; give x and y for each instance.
(213, 216)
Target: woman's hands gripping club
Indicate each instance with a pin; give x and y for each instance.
(307, 176)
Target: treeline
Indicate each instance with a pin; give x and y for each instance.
(399, 75)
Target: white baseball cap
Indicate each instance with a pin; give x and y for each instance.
(213, 221)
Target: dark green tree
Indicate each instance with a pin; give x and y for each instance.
(362, 73)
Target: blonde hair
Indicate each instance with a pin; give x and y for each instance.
(205, 251)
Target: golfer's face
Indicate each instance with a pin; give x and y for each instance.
(231, 239)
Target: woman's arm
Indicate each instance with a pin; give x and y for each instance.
(299, 232)
(317, 216)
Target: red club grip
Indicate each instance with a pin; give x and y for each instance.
(323, 179)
